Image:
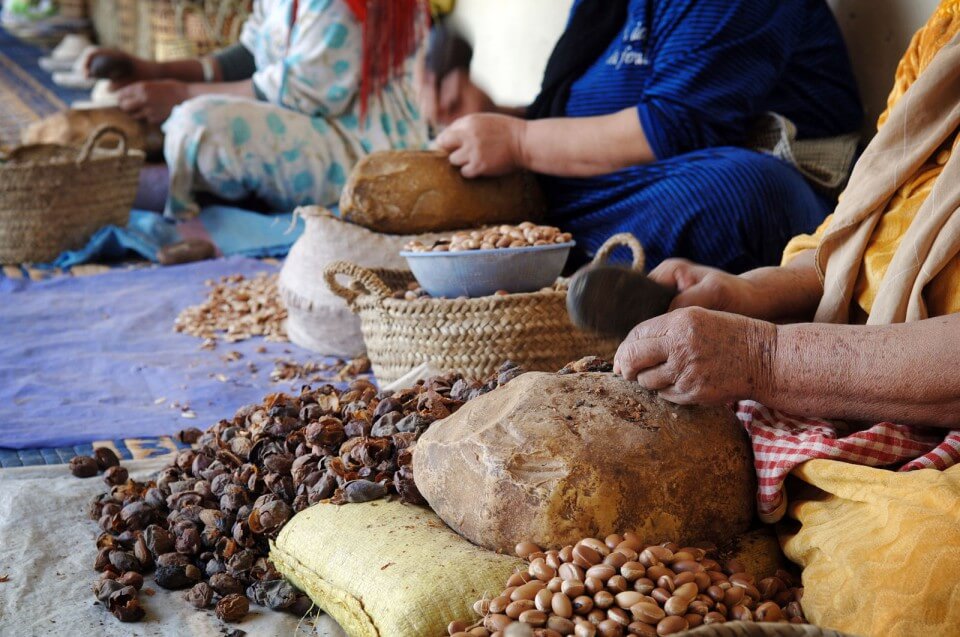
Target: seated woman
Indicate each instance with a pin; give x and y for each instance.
(644, 117)
(881, 281)
(285, 114)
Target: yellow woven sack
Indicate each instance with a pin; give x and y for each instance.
(880, 550)
(384, 569)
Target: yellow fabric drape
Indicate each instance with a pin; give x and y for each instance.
(942, 296)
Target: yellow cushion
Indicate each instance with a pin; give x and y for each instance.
(880, 550)
(384, 569)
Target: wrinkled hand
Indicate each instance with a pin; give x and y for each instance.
(447, 100)
(700, 357)
(485, 145)
(154, 100)
(710, 288)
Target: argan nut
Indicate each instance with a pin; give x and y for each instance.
(582, 605)
(497, 605)
(585, 630)
(596, 616)
(714, 617)
(496, 622)
(627, 599)
(561, 606)
(687, 591)
(676, 606)
(655, 555)
(683, 578)
(83, 466)
(541, 570)
(116, 476)
(105, 458)
(619, 615)
(661, 595)
(617, 584)
(131, 578)
(517, 608)
(647, 613)
(741, 613)
(603, 600)
(615, 559)
(584, 556)
(671, 625)
(693, 620)
(519, 579)
(524, 549)
(644, 586)
(561, 624)
(593, 585)
(768, 612)
(609, 628)
(641, 629)
(232, 608)
(543, 599)
(602, 549)
(602, 572)
(535, 618)
(554, 585)
(571, 572)
(527, 591)
(633, 571)
(572, 588)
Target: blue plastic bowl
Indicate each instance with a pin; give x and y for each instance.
(475, 273)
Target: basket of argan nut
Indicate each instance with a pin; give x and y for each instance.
(404, 326)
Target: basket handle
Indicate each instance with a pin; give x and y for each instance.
(624, 239)
(372, 283)
(94, 140)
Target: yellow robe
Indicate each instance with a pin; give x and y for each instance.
(943, 294)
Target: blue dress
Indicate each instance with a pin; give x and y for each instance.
(699, 72)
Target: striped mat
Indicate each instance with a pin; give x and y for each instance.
(129, 449)
(27, 93)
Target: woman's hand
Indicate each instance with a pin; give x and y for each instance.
(121, 68)
(780, 294)
(485, 145)
(694, 356)
(154, 100)
(706, 287)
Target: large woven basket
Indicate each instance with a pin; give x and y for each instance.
(53, 198)
(192, 28)
(471, 336)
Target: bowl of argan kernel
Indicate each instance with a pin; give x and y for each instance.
(476, 263)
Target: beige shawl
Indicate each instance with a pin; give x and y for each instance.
(925, 117)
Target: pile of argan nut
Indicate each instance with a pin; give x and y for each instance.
(205, 522)
(618, 586)
(524, 235)
(237, 308)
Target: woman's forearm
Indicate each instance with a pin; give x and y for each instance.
(786, 294)
(901, 373)
(585, 146)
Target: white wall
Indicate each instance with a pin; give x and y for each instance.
(513, 39)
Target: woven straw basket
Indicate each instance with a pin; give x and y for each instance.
(768, 629)
(53, 198)
(192, 28)
(471, 336)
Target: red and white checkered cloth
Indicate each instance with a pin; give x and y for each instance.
(781, 442)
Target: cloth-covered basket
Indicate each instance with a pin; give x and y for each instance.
(471, 336)
(54, 198)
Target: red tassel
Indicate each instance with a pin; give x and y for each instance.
(391, 30)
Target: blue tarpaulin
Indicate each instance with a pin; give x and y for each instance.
(90, 358)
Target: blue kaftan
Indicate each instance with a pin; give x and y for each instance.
(699, 73)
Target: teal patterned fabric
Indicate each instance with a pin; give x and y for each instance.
(298, 146)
